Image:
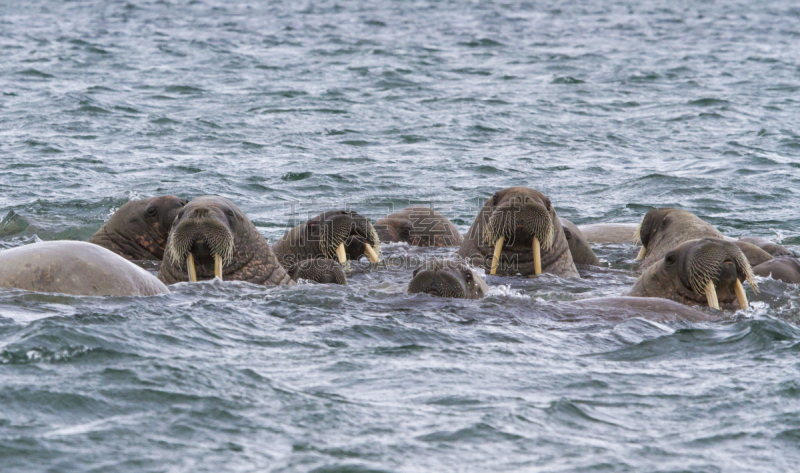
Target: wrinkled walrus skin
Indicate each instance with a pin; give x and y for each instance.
(139, 229)
(418, 225)
(76, 268)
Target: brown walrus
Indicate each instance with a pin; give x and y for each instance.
(663, 229)
(518, 232)
(447, 278)
(703, 271)
(337, 235)
(211, 238)
(781, 268)
(418, 225)
(139, 229)
(74, 267)
(578, 246)
(321, 270)
(770, 247)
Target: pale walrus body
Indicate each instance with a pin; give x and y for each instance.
(211, 238)
(336, 235)
(418, 225)
(74, 267)
(447, 278)
(707, 271)
(609, 233)
(578, 246)
(139, 229)
(518, 232)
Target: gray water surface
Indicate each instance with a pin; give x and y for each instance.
(291, 108)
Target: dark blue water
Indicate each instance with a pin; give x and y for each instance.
(292, 108)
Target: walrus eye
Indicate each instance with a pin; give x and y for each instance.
(495, 198)
(229, 213)
(567, 233)
(405, 231)
(180, 215)
(414, 274)
(547, 203)
(468, 276)
(670, 259)
(151, 211)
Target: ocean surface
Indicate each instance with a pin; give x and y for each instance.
(290, 108)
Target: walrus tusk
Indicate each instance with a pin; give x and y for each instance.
(537, 256)
(498, 247)
(190, 268)
(741, 295)
(341, 254)
(370, 252)
(218, 266)
(642, 254)
(711, 295)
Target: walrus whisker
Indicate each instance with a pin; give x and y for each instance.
(740, 295)
(537, 256)
(370, 252)
(190, 268)
(218, 266)
(498, 248)
(711, 295)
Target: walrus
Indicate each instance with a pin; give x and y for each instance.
(623, 308)
(518, 232)
(609, 233)
(781, 268)
(578, 246)
(211, 238)
(338, 235)
(447, 278)
(663, 229)
(321, 270)
(418, 225)
(702, 271)
(139, 229)
(770, 247)
(74, 267)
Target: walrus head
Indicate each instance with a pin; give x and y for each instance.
(704, 271)
(665, 228)
(339, 235)
(418, 225)
(447, 278)
(203, 236)
(519, 224)
(139, 229)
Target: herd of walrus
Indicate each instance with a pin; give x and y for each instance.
(685, 261)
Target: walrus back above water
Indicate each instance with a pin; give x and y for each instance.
(74, 267)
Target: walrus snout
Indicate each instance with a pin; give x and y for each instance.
(715, 269)
(201, 235)
(520, 222)
(347, 235)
